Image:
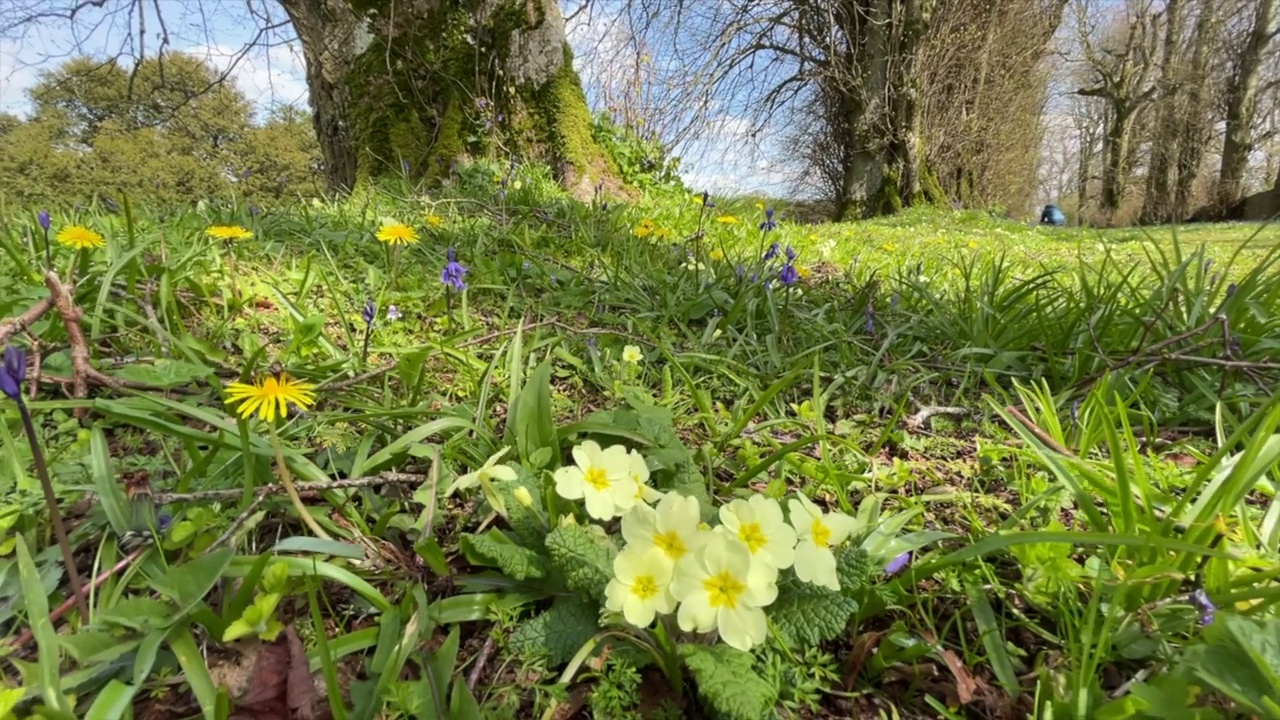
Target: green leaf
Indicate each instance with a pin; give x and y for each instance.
(853, 569)
(37, 607)
(319, 546)
(585, 558)
(557, 633)
(497, 550)
(807, 614)
(162, 373)
(188, 583)
(727, 681)
(534, 424)
(112, 701)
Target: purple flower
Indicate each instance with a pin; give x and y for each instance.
(767, 224)
(893, 301)
(370, 312)
(1201, 600)
(706, 200)
(791, 254)
(871, 321)
(13, 372)
(788, 275)
(772, 252)
(482, 103)
(393, 312)
(1231, 289)
(254, 211)
(453, 273)
(739, 271)
(43, 218)
(896, 565)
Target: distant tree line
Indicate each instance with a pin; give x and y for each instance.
(167, 130)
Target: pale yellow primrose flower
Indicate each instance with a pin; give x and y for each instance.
(484, 476)
(818, 532)
(672, 527)
(641, 586)
(523, 496)
(601, 477)
(640, 474)
(759, 524)
(632, 354)
(721, 588)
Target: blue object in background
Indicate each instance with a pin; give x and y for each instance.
(1051, 215)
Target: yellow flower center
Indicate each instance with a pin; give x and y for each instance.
(753, 536)
(821, 533)
(670, 543)
(597, 478)
(644, 587)
(723, 590)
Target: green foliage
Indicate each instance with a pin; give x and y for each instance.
(1241, 659)
(165, 133)
(642, 159)
(584, 556)
(557, 633)
(727, 681)
(616, 695)
(807, 615)
(495, 549)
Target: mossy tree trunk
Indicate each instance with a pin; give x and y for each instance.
(878, 89)
(410, 86)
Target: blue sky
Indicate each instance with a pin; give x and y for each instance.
(725, 161)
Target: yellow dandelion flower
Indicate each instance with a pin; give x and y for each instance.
(716, 254)
(270, 396)
(889, 247)
(803, 272)
(228, 233)
(397, 234)
(697, 197)
(435, 220)
(662, 233)
(80, 237)
(973, 244)
(644, 229)
(726, 219)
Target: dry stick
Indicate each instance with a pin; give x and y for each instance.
(26, 635)
(82, 368)
(485, 652)
(9, 328)
(310, 489)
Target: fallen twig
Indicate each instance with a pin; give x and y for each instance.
(926, 412)
(304, 489)
(12, 327)
(26, 635)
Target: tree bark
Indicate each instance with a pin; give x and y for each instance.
(1157, 205)
(409, 86)
(1242, 105)
(1193, 130)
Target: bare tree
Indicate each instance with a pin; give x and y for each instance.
(1120, 59)
(1242, 102)
(1157, 202)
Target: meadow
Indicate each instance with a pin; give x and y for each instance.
(462, 453)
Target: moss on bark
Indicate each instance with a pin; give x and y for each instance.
(434, 86)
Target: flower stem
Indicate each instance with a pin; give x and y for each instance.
(286, 479)
(59, 530)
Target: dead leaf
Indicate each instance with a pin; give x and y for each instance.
(281, 685)
(966, 685)
(862, 649)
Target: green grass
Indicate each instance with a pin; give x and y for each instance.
(1056, 543)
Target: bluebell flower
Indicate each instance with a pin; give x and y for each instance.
(453, 273)
(13, 372)
(592, 342)
(791, 254)
(1201, 600)
(893, 301)
(739, 271)
(871, 321)
(45, 221)
(254, 211)
(163, 521)
(896, 565)
(393, 313)
(767, 224)
(706, 200)
(772, 252)
(1231, 289)
(370, 312)
(788, 275)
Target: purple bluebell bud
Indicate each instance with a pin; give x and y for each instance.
(1231, 290)
(45, 221)
(453, 273)
(370, 312)
(772, 252)
(13, 372)
(893, 300)
(788, 275)
(791, 254)
(871, 321)
(896, 565)
(1201, 600)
